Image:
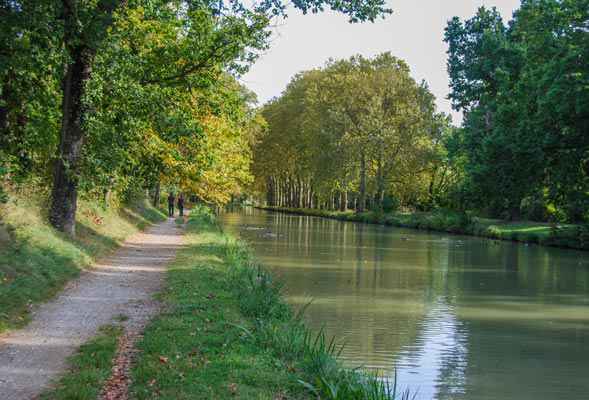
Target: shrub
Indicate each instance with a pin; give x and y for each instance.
(534, 208)
(390, 204)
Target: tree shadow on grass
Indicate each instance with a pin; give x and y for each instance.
(92, 242)
(31, 273)
(35, 268)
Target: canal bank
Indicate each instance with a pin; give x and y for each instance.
(554, 235)
(450, 315)
(226, 332)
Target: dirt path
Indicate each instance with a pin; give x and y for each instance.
(120, 285)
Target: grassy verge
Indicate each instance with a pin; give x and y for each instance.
(89, 369)
(227, 333)
(36, 261)
(560, 235)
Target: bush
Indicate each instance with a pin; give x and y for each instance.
(534, 208)
(577, 208)
(390, 204)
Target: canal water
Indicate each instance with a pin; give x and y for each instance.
(456, 317)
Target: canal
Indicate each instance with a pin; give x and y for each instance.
(456, 317)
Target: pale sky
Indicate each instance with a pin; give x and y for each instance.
(414, 32)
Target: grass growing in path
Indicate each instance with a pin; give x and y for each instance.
(557, 235)
(36, 261)
(90, 367)
(228, 334)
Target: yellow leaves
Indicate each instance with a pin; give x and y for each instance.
(148, 36)
(214, 165)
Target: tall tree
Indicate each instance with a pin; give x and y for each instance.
(230, 31)
(360, 126)
(523, 89)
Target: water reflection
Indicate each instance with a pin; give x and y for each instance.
(434, 365)
(457, 317)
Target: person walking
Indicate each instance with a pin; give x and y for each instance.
(181, 204)
(171, 200)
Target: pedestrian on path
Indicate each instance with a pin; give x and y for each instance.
(181, 204)
(171, 201)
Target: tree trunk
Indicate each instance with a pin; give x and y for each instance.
(4, 110)
(362, 199)
(514, 212)
(156, 194)
(431, 187)
(380, 182)
(300, 193)
(64, 196)
(343, 201)
(81, 46)
(270, 192)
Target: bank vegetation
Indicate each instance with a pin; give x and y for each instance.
(361, 134)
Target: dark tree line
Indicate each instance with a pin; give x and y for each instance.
(524, 91)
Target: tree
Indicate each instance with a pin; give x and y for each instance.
(29, 88)
(204, 36)
(523, 90)
(357, 126)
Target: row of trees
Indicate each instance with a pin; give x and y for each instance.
(101, 97)
(362, 131)
(352, 135)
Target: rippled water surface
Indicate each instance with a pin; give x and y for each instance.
(457, 317)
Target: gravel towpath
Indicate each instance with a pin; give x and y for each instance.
(120, 285)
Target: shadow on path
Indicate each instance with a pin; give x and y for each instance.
(121, 284)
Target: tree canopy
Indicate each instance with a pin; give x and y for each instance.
(110, 95)
(356, 131)
(524, 91)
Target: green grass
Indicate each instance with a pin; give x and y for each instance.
(227, 333)
(557, 235)
(36, 261)
(89, 368)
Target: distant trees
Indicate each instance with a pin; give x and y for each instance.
(104, 96)
(351, 135)
(524, 90)
(360, 133)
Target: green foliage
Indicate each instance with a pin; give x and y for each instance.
(357, 129)
(30, 69)
(390, 204)
(523, 89)
(154, 95)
